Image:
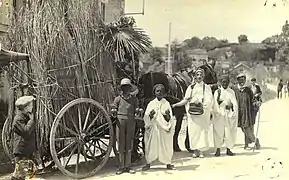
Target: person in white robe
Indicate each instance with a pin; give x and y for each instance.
(225, 127)
(198, 125)
(158, 135)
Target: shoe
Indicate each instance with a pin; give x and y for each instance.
(218, 152)
(201, 155)
(171, 167)
(230, 153)
(120, 171)
(130, 171)
(257, 144)
(195, 153)
(146, 167)
(246, 146)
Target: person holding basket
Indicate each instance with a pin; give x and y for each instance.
(199, 103)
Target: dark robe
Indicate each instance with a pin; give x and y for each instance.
(256, 99)
(210, 76)
(245, 106)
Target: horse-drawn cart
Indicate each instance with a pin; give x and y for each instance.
(78, 128)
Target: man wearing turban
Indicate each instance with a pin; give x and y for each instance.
(198, 125)
(246, 119)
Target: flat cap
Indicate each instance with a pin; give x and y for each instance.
(24, 100)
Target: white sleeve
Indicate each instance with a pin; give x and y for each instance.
(146, 118)
(188, 94)
(208, 96)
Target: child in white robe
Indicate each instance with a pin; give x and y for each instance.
(158, 135)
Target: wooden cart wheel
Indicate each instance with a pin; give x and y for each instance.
(139, 148)
(81, 138)
(7, 138)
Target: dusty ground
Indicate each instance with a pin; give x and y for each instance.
(273, 133)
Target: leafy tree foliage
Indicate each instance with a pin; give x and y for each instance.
(243, 39)
(281, 42)
(208, 43)
(156, 55)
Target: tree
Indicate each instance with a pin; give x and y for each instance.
(224, 41)
(181, 59)
(156, 55)
(194, 42)
(243, 39)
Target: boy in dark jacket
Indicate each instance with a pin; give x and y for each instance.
(24, 135)
(124, 108)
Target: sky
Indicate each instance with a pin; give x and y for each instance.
(223, 19)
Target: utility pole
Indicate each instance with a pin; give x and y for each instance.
(169, 66)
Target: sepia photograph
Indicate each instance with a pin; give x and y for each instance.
(144, 89)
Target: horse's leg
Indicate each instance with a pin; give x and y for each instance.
(179, 118)
(187, 141)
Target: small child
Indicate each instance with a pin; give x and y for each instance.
(124, 108)
(158, 130)
(24, 135)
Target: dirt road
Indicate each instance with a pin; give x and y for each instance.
(273, 133)
(274, 128)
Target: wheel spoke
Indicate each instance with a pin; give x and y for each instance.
(103, 142)
(84, 155)
(90, 152)
(94, 147)
(86, 119)
(102, 132)
(69, 130)
(70, 155)
(79, 120)
(100, 147)
(77, 160)
(93, 121)
(96, 129)
(73, 123)
(66, 138)
(68, 146)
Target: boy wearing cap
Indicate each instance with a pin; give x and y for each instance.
(124, 108)
(24, 135)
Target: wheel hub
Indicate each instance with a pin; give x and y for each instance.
(81, 138)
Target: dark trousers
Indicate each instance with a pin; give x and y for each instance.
(279, 94)
(125, 137)
(249, 134)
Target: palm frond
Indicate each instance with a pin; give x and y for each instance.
(122, 37)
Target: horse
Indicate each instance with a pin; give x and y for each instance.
(175, 86)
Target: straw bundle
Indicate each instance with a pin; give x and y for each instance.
(72, 54)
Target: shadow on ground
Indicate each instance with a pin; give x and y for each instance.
(262, 148)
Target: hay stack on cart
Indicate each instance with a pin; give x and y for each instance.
(71, 70)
